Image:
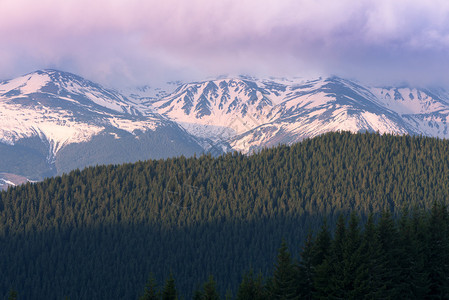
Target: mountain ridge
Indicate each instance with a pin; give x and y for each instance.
(49, 114)
(301, 108)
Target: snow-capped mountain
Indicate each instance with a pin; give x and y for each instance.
(60, 121)
(249, 114)
(218, 110)
(52, 122)
(319, 106)
(426, 111)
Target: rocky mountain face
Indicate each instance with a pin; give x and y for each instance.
(52, 121)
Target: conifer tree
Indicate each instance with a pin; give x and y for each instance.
(284, 277)
(169, 292)
(388, 239)
(352, 258)
(321, 265)
(335, 262)
(322, 280)
(322, 245)
(151, 292)
(306, 270)
(198, 294)
(419, 227)
(368, 277)
(210, 290)
(408, 259)
(251, 287)
(438, 256)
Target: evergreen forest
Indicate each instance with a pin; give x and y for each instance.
(406, 258)
(202, 222)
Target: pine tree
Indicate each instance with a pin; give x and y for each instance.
(419, 229)
(389, 241)
(321, 265)
(251, 288)
(322, 245)
(169, 292)
(210, 290)
(352, 258)
(368, 277)
(198, 294)
(438, 256)
(408, 259)
(335, 262)
(306, 270)
(150, 292)
(284, 277)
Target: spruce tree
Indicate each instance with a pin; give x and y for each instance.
(368, 277)
(210, 290)
(321, 265)
(336, 284)
(322, 281)
(284, 277)
(251, 288)
(169, 292)
(306, 270)
(419, 229)
(352, 258)
(408, 259)
(151, 292)
(322, 244)
(389, 241)
(198, 294)
(438, 255)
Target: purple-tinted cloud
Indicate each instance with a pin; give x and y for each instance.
(138, 41)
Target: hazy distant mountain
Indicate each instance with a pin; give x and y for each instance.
(52, 122)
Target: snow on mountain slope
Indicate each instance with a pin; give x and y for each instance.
(71, 116)
(56, 126)
(62, 109)
(409, 100)
(251, 113)
(317, 107)
(311, 124)
(222, 107)
(426, 111)
(68, 87)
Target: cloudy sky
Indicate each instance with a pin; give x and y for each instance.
(131, 42)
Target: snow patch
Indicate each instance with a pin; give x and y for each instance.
(26, 84)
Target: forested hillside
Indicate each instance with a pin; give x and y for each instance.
(100, 232)
(403, 259)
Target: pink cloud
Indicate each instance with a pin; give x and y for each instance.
(140, 40)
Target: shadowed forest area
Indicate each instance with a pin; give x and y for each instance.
(403, 259)
(98, 233)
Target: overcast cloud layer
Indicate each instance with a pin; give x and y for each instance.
(141, 41)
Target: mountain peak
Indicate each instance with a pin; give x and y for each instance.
(49, 111)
